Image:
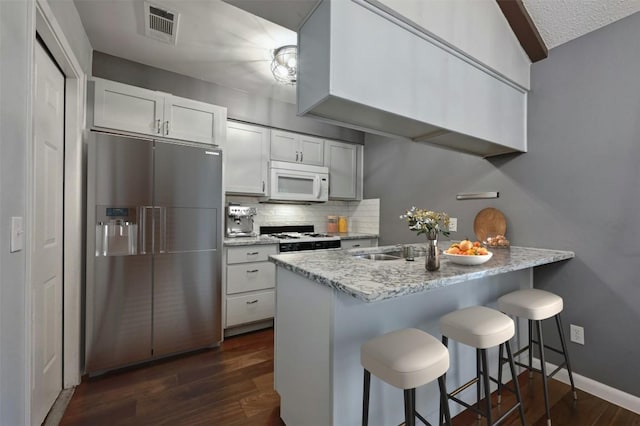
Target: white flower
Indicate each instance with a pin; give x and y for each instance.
(427, 221)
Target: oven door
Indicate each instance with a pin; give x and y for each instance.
(293, 185)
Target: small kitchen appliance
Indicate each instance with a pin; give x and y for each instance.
(300, 237)
(239, 221)
(294, 182)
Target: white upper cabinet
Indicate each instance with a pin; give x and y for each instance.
(296, 148)
(342, 160)
(246, 159)
(191, 120)
(130, 108)
(134, 109)
(311, 150)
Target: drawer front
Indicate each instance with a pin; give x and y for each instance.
(250, 276)
(367, 242)
(244, 254)
(251, 307)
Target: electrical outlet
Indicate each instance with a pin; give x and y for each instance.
(453, 224)
(577, 334)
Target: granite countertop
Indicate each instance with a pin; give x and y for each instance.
(372, 281)
(249, 241)
(264, 239)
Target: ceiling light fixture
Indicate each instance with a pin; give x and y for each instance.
(285, 64)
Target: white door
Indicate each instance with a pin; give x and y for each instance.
(191, 120)
(246, 159)
(311, 150)
(46, 246)
(341, 158)
(285, 146)
(123, 107)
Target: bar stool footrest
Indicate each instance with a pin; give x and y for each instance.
(537, 370)
(466, 405)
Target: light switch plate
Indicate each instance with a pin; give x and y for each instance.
(453, 224)
(17, 234)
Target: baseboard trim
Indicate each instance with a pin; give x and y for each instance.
(602, 391)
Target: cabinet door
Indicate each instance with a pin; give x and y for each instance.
(195, 121)
(256, 253)
(246, 158)
(311, 150)
(341, 158)
(244, 277)
(284, 146)
(123, 107)
(250, 307)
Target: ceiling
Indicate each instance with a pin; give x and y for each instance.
(229, 46)
(560, 21)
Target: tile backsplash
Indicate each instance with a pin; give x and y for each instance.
(363, 216)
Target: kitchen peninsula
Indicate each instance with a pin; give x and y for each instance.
(329, 303)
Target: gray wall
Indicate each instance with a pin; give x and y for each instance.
(17, 31)
(240, 105)
(16, 50)
(577, 188)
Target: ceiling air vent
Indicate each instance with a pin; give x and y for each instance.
(160, 23)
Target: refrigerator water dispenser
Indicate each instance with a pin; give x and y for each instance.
(116, 231)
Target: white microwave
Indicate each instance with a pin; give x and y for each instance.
(298, 182)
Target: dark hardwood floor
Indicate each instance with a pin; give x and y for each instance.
(233, 385)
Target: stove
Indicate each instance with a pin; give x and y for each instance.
(300, 237)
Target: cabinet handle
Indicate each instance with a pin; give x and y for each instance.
(252, 253)
(262, 186)
(166, 127)
(252, 271)
(297, 155)
(301, 156)
(158, 126)
(251, 302)
(356, 245)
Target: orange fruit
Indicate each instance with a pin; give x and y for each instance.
(465, 245)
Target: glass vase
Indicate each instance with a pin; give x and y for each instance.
(432, 260)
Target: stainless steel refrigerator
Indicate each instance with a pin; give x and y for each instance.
(154, 241)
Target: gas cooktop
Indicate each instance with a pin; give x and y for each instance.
(300, 237)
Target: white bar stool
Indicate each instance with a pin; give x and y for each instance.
(406, 359)
(482, 328)
(538, 305)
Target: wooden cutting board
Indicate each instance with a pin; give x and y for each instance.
(489, 222)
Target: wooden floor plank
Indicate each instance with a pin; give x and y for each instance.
(233, 386)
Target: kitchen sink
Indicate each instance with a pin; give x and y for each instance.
(379, 256)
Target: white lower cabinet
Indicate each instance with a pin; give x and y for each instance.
(250, 284)
(250, 276)
(246, 308)
(359, 243)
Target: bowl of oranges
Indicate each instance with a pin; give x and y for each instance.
(467, 253)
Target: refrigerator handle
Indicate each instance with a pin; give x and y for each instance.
(163, 229)
(142, 216)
